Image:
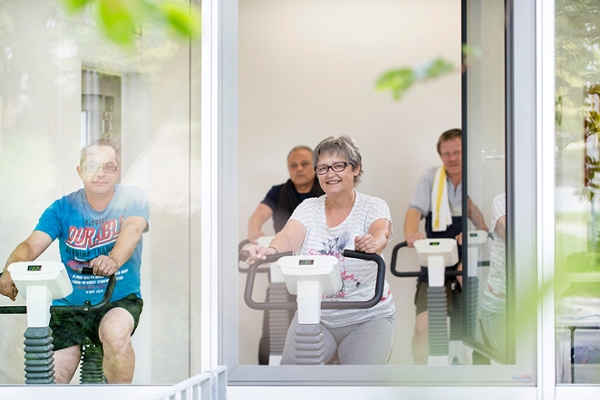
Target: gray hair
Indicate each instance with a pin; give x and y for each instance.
(344, 146)
(101, 142)
(301, 147)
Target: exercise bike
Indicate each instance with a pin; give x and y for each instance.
(311, 277)
(275, 322)
(39, 283)
(437, 254)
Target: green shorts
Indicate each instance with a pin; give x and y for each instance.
(421, 295)
(72, 328)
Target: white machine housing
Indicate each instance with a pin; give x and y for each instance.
(39, 283)
(309, 277)
(445, 248)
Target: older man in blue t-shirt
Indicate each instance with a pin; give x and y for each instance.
(99, 226)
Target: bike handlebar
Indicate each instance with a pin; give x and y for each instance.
(86, 307)
(325, 305)
(243, 257)
(411, 274)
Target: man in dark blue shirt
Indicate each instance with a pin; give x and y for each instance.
(283, 199)
(279, 203)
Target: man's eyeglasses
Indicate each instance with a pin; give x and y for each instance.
(337, 167)
(109, 168)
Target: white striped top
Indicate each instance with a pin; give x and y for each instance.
(494, 296)
(358, 276)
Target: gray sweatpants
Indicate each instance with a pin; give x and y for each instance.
(367, 343)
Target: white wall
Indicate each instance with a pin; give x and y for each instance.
(307, 70)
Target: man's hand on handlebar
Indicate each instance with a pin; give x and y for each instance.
(257, 252)
(7, 286)
(104, 266)
(458, 239)
(411, 238)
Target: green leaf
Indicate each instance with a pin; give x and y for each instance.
(120, 20)
(470, 51)
(73, 6)
(182, 19)
(398, 81)
(439, 67)
(117, 20)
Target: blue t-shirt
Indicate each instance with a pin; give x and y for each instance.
(85, 234)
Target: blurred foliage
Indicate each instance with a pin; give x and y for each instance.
(122, 20)
(577, 69)
(578, 87)
(398, 81)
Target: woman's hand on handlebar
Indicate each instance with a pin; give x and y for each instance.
(257, 253)
(365, 243)
(104, 266)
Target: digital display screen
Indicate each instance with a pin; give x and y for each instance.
(34, 268)
(472, 234)
(306, 262)
(434, 243)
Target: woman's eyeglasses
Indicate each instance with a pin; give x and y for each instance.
(337, 167)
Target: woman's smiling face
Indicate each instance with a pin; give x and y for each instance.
(336, 182)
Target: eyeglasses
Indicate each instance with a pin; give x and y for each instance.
(337, 167)
(109, 168)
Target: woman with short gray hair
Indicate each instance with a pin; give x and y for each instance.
(342, 219)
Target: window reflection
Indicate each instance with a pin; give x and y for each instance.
(100, 106)
(486, 179)
(62, 86)
(493, 302)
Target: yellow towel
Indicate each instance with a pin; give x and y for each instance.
(440, 206)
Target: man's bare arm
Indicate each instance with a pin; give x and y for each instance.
(28, 250)
(262, 213)
(129, 236)
(411, 226)
(476, 216)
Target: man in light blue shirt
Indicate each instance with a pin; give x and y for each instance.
(99, 226)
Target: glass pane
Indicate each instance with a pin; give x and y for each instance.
(313, 76)
(577, 201)
(63, 86)
(485, 287)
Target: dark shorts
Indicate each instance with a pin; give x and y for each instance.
(421, 295)
(72, 328)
